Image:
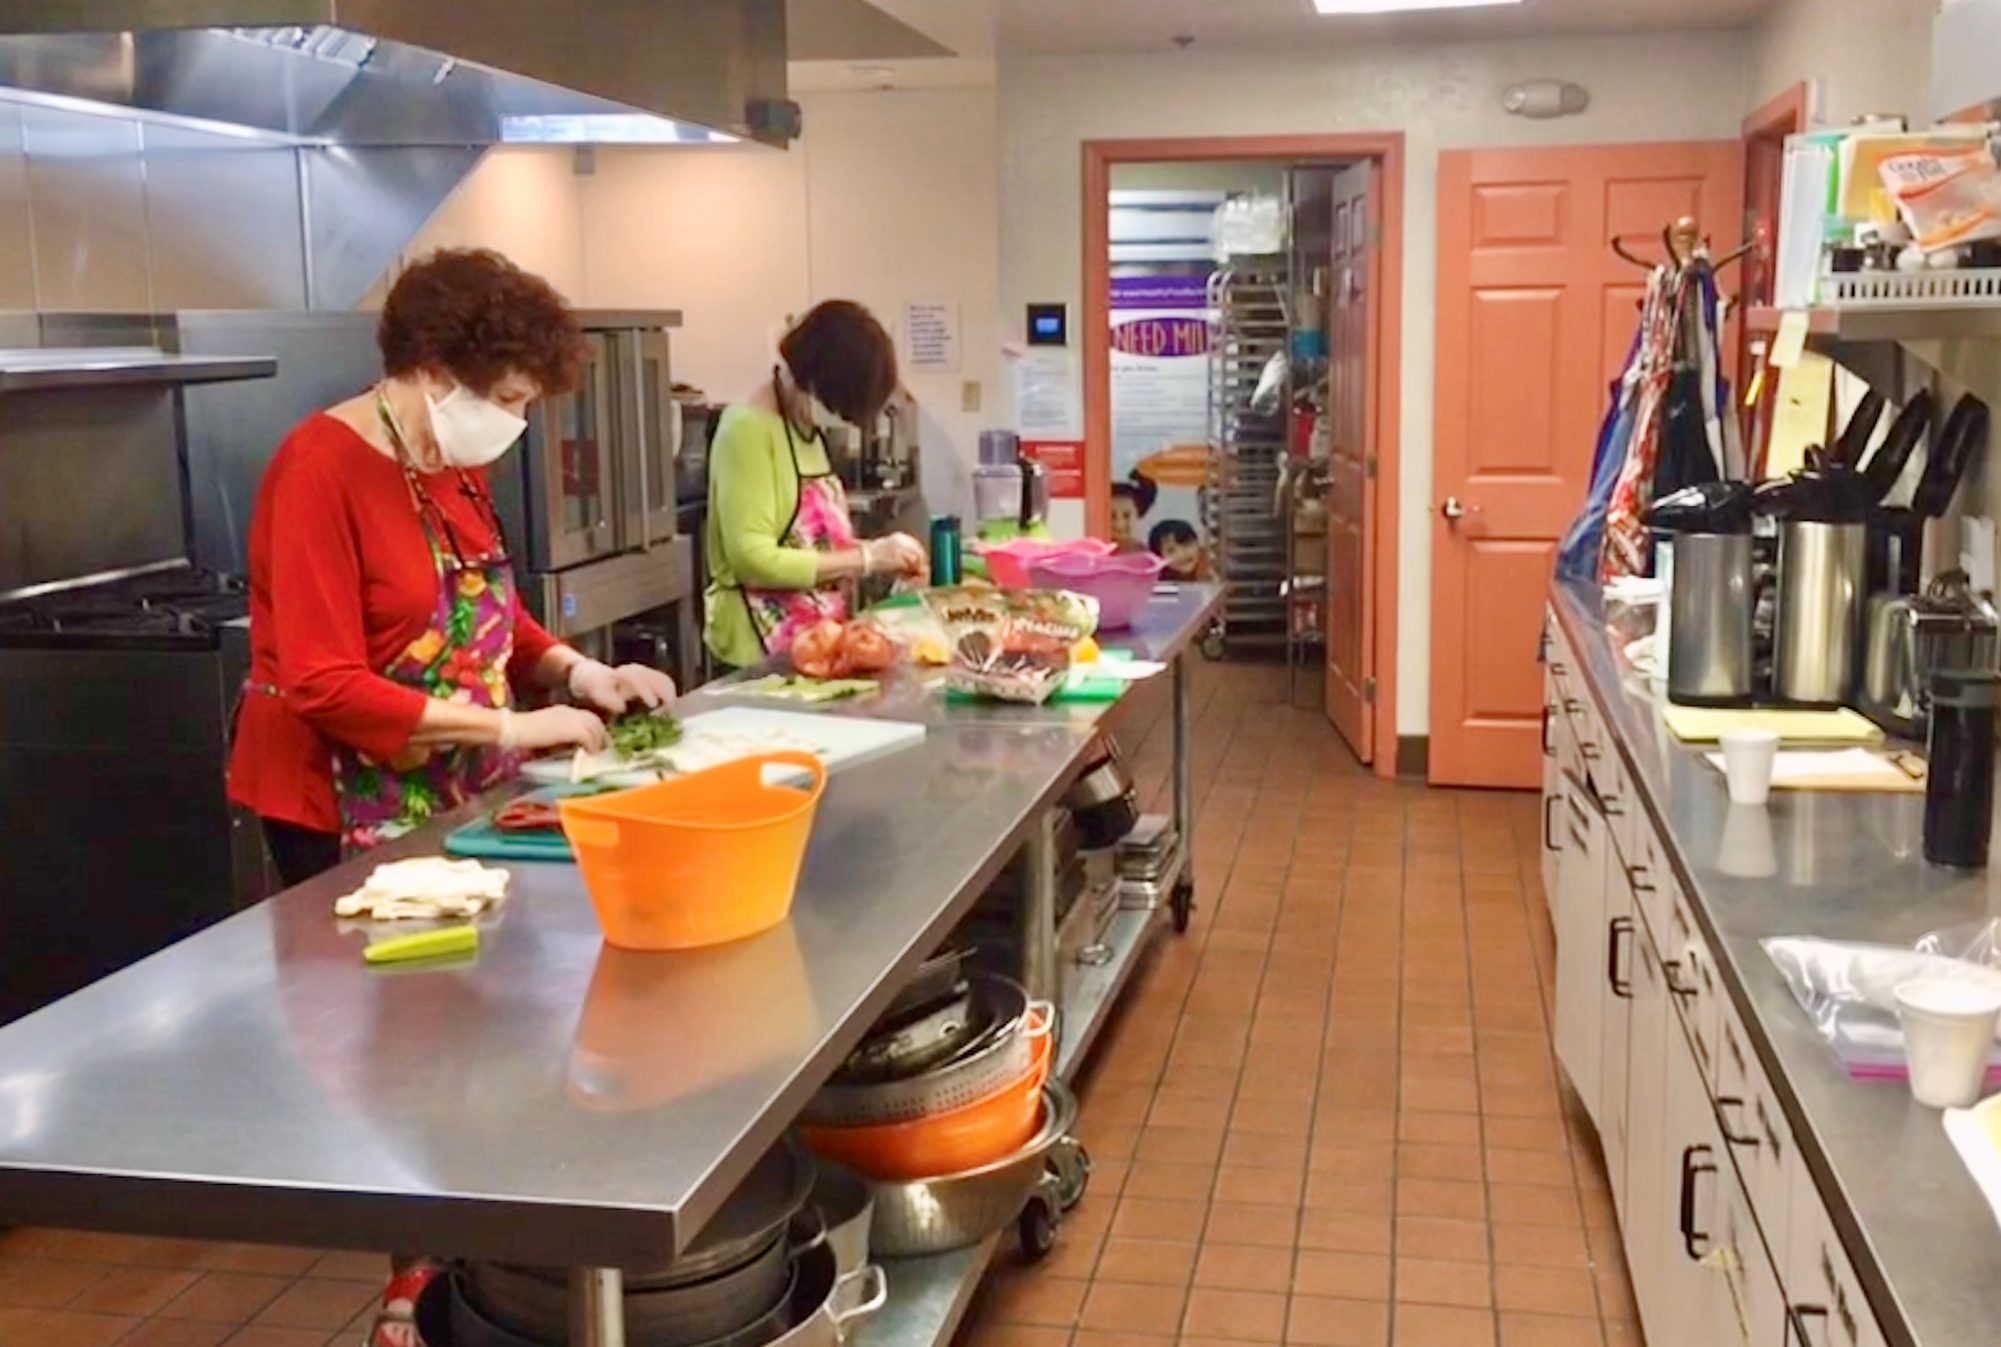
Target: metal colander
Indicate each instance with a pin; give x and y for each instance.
(989, 1063)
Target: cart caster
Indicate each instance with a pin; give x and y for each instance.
(1183, 904)
(1037, 1227)
(1070, 1170)
(1213, 644)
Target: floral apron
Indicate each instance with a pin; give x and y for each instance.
(819, 523)
(461, 657)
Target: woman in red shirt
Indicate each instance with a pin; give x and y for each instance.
(387, 635)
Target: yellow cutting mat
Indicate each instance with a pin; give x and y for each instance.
(1705, 724)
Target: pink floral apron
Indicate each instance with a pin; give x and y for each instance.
(819, 523)
(461, 657)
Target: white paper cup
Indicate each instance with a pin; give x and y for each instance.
(1948, 1036)
(1747, 764)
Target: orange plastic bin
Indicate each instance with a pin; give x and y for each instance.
(699, 860)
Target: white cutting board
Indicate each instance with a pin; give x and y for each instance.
(725, 735)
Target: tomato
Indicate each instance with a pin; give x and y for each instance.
(817, 652)
(868, 648)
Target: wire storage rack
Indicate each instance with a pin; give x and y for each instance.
(1240, 506)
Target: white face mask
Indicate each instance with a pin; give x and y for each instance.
(471, 431)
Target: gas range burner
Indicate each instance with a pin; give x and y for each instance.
(177, 609)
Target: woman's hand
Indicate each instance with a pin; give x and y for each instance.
(553, 727)
(898, 554)
(612, 690)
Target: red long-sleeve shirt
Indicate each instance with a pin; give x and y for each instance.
(341, 582)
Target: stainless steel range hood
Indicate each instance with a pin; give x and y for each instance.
(415, 72)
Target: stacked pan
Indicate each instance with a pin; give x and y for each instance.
(952, 1081)
(765, 1268)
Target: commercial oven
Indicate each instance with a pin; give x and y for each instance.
(590, 496)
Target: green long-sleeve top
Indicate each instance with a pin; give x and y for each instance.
(753, 491)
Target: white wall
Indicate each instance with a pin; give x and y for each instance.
(1442, 96)
(520, 201)
(1860, 56)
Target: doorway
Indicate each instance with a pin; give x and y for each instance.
(1536, 314)
(1359, 258)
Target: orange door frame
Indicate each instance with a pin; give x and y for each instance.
(1387, 150)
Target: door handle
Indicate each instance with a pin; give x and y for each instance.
(1797, 1317)
(1724, 1105)
(1690, 1169)
(1622, 985)
(1455, 509)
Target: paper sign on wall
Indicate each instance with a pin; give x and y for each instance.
(1063, 460)
(1046, 405)
(931, 331)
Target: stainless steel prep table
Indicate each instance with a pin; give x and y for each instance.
(557, 1102)
(1848, 867)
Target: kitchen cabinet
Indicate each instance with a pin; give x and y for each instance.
(1552, 797)
(1619, 935)
(1580, 969)
(1644, 1222)
(1825, 1306)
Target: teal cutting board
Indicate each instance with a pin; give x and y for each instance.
(481, 841)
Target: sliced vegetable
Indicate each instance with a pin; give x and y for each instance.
(438, 944)
(643, 732)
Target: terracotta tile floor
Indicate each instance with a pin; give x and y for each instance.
(1329, 1116)
(1321, 1120)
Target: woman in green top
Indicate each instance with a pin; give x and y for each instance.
(782, 551)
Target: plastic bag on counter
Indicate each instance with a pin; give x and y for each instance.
(1011, 645)
(1849, 989)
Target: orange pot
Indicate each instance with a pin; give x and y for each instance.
(698, 860)
(944, 1143)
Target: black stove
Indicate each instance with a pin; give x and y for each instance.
(171, 610)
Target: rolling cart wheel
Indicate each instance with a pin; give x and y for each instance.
(1070, 1169)
(1213, 644)
(1037, 1227)
(1183, 902)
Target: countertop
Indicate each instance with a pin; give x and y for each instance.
(557, 1102)
(1849, 867)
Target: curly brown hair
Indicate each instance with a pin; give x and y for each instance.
(472, 314)
(841, 355)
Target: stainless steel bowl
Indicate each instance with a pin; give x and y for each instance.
(955, 1211)
(996, 1058)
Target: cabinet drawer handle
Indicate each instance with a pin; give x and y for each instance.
(1636, 876)
(1724, 1104)
(1796, 1318)
(1672, 967)
(1622, 985)
(1548, 744)
(1690, 1170)
(1591, 752)
(1559, 668)
(1550, 841)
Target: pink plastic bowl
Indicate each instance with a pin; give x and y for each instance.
(1120, 584)
(1008, 562)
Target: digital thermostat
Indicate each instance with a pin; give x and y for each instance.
(1048, 325)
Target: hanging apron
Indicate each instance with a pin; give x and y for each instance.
(819, 523)
(461, 657)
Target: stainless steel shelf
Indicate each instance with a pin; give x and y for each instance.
(42, 371)
(927, 1298)
(1090, 991)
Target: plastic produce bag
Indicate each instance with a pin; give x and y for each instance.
(1849, 989)
(1948, 197)
(1269, 396)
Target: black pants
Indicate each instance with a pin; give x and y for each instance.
(300, 853)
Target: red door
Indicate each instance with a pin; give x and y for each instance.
(1353, 349)
(1535, 314)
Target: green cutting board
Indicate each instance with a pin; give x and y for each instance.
(481, 841)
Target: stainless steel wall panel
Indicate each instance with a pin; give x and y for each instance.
(362, 205)
(17, 240)
(87, 190)
(223, 222)
(90, 484)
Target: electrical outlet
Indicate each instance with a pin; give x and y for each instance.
(969, 395)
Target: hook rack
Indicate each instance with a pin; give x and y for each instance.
(1682, 243)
